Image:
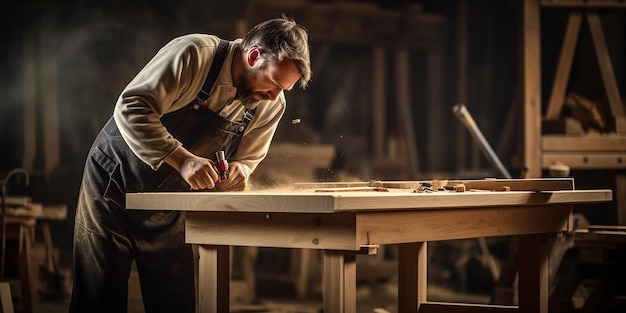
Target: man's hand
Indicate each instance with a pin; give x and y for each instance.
(237, 180)
(198, 172)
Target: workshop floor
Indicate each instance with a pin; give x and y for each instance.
(376, 293)
(373, 298)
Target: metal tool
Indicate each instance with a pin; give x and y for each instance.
(461, 112)
(222, 165)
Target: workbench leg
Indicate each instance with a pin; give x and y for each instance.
(533, 274)
(26, 278)
(213, 279)
(339, 282)
(412, 261)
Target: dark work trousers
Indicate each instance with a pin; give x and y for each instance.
(108, 237)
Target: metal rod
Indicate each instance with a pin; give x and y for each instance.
(466, 118)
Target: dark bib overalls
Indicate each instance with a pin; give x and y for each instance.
(107, 237)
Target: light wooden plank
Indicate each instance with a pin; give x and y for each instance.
(274, 201)
(327, 202)
(561, 77)
(312, 231)
(399, 184)
(354, 202)
(442, 307)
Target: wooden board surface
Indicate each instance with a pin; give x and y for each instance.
(329, 202)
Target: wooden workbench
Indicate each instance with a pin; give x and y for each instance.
(345, 223)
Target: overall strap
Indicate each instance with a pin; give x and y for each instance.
(216, 66)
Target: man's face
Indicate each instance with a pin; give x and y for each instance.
(266, 82)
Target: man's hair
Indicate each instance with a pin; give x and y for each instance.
(282, 38)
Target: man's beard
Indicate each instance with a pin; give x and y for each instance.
(245, 94)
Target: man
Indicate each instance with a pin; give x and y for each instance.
(198, 95)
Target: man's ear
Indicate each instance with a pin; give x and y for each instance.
(253, 56)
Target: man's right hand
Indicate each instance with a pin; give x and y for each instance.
(198, 172)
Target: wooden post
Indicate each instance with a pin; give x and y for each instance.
(339, 281)
(214, 278)
(533, 274)
(412, 280)
(531, 89)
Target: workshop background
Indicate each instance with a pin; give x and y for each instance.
(386, 76)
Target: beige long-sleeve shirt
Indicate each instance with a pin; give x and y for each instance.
(170, 81)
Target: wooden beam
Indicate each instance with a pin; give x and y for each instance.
(388, 228)
(588, 143)
(586, 160)
(531, 91)
(561, 77)
(309, 231)
(606, 71)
